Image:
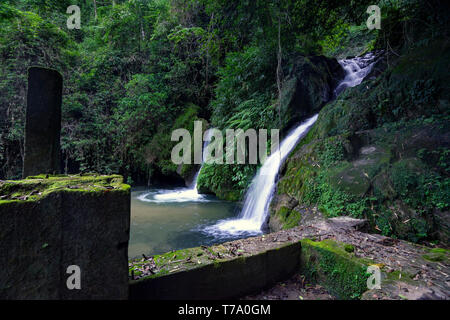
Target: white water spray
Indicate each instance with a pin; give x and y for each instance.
(356, 69)
(260, 193)
(183, 194)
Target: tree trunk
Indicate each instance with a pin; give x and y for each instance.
(95, 9)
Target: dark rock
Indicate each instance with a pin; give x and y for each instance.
(350, 223)
(442, 225)
(43, 122)
(188, 173)
(279, 204)
(379, 66)
(308, 87)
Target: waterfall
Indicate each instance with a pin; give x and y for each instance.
(260, 193)
(261, 190)
(356, 69)
(182, 194)
(258, 197)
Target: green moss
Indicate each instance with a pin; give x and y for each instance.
(180, 260)
(329, 264)
(397, 187)
(284, 213)
(160, 147)
(37, 187)
(436, 255)
(227, 182)
(233, 195)
(399, 275)
(349, 248)
(292, 218)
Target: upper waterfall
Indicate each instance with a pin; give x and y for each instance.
(356, 69)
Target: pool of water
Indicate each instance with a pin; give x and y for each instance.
(165, 220)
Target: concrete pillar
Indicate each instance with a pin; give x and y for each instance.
(43, 122)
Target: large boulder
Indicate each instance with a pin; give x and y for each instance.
(308, 86)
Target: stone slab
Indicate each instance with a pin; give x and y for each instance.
(43, 122)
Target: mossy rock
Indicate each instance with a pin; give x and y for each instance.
(221, 181)
(308, 87)
(380, 152)
(158, 151)
(437, 255)
(349, 248)
(283, 213)
(34, 188)
(331, 265)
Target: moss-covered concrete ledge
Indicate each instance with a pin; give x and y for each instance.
(336, 255)
(223, 271)
(51, 222)
(34, 188)
(330, 252)
(331, 264)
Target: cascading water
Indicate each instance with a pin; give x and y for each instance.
(356, 69)
(182, 194)
(260, 193)
(258, 197)
(166, 220)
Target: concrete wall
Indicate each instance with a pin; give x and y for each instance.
(40, 238)
(222, 279)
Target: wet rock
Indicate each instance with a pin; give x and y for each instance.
(349, 223)
(308, 87)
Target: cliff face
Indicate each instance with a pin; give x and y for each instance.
(380, 152)
(308, 86)
(51, 223)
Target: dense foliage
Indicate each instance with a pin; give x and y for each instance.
(380, 150)
(137, 65)
(138, 69)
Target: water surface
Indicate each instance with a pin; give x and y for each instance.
(161, 223)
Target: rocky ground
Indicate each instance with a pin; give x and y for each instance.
(422, 272)
(409, 271)
(296, 288)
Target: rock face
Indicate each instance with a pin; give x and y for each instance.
(43, 122)
(49, 224)
(308, 87)
(379, 152)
